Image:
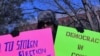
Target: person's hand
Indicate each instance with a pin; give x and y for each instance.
(80, 29)
(15, 33)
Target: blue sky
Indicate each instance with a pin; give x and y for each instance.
(42, 5)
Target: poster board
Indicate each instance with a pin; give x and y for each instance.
(69, 42)
(28, 43)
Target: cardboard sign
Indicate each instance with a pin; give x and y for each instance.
(69, 42)
(29, 43)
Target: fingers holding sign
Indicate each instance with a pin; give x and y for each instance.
(15, 32)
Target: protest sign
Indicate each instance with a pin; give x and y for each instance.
(69, 42)
(28, 43)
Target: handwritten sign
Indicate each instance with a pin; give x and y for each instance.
(69, 42)
(28, 43)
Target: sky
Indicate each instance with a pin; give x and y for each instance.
(46, 5)
(38, 4)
